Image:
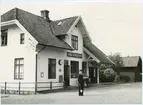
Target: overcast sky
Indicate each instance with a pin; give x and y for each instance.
(113, 26)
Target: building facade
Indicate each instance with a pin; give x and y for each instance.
(132, 67)
(37, 50)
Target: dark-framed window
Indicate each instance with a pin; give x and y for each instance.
(19, 68)
(74, 69)
(74, 42)
(4, 37)
(52, 68)
(22, 37)
(84, 68)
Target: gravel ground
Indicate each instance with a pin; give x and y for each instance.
(130, 93)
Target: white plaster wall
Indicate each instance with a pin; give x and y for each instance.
(85, 56)
(76, 31)
(16, 50)
(56, 53)
(43, 56)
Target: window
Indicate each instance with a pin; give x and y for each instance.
(74, 69)
(22, 38)
(84, 68)
(52, 69)
(74, 40)
(4, 37)
(19, 68)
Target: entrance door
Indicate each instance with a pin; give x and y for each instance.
(93, 74)
(66, 73)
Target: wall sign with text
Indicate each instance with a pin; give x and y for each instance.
(75, 55)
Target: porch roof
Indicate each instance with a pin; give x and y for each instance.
(97, 53)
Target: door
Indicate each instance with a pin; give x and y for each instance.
(93, 74)
(66, 73)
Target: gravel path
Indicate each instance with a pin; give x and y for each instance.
(104, 94)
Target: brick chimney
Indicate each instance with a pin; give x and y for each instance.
(45, 15)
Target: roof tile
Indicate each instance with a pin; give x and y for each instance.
(131, 61)
(97, 53)
(37, 26)
(62, 26)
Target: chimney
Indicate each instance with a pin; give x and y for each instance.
(45, 15)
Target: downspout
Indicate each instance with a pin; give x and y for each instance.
(36, 75)
(36, 68)
(98, 77)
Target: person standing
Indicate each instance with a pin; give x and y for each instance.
(80, 83)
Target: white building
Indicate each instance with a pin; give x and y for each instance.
(37, 50)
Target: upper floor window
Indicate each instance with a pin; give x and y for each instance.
(4, 37)
(52, 69)
(22, 38)
(74, 42)
(19, 68)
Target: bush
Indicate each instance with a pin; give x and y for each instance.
(124, 78)
(107, 75)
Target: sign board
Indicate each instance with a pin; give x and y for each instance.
(75, 55)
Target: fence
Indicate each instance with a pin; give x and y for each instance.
(21, 87)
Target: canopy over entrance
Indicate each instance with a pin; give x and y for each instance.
(96, 54)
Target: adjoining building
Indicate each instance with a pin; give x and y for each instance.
(35, 49)
(132, 67)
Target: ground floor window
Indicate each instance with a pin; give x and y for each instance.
(19, 68)
(84, 68)
(74, 69)
(52, 69)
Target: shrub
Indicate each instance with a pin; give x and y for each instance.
(107, 75)
(124, 78)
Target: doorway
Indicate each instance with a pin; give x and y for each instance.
(66, 73)
(93, 74)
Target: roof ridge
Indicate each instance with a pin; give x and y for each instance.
(28, 12)
(15, 12)
(36, 25)
(66, 18)
(130, 56)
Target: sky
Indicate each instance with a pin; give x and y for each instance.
(113, 26)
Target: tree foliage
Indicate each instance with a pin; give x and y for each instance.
(117, 59)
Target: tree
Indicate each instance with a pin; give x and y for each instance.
(117, 59)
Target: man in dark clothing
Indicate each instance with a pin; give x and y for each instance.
(80, 83)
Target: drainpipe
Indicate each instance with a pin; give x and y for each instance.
(36, 68)
(36, 75)
(98, 80)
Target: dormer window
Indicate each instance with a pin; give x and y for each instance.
(22, 38)
(4, 37)
(74, 42)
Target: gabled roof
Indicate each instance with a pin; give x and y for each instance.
(61, 27)
(131, 61)
(37, 26)
(97, 53)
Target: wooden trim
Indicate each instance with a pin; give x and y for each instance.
(36, 73)
(90, 54)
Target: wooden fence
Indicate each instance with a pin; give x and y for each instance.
(19, 87)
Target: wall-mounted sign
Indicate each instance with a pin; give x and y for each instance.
(75, 55)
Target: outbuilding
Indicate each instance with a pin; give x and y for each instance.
(132, 67)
